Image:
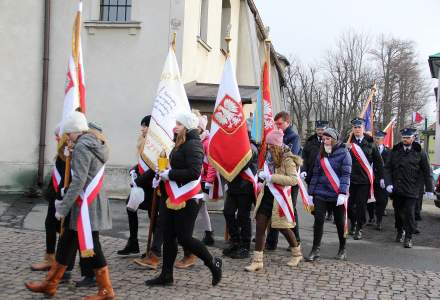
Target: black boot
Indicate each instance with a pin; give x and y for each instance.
(164, 279)
(208, 239)
(216, 269)
(342, 254)
(242, 252)
(314, 254)
(352, 228)
(357, 234)
(399, 237)
(132, 247)
(233, 248)
(379, 226)
(407, 243)
(86, 281)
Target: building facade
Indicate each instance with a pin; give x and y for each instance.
(124, 44)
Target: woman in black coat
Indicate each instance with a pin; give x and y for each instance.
(186, 161)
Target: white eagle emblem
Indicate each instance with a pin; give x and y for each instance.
(228, 114)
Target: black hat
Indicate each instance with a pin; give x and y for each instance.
(321, 124)
(408, 132)
(146, 121)
(358, 122)
(380, 134)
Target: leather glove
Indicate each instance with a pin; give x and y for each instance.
(156, 182)
(390, 189)
(303, 175)
(58, 204)
(164, 175)
(382, 184)
(58, 216)
(429, 195)
(341, 199)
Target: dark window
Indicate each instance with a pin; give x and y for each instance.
(115, 10)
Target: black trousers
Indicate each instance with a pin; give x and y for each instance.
(404, 210)
(419, 202)
(178, 228)
(380, 205)
(133, 224)
(52, 226)
(321, 207)
(272, 236)
(237, 212)
(357, 203)
(68, 245)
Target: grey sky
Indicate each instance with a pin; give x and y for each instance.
(308, 28)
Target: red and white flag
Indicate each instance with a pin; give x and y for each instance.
(417, 117)
(74, 91)
(229, 147)
(389, 137)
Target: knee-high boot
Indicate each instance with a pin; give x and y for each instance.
(104, 284)
(49, 285)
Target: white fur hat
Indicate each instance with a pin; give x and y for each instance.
(188, 119)
(75, 122)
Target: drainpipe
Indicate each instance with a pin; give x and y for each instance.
(45, 83)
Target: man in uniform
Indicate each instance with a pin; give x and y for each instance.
(360, 188)
(407, 162)
(380, 194)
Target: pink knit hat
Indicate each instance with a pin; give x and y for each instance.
(275, 137)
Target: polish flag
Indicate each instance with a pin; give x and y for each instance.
(389, 137)
(417, 117)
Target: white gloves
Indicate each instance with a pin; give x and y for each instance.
(133, 177)
(164, 175)
(311, 200)
(62, 192)
(303, 175)
(156, 182)
(265, 176)
(58, 216)
(429, 195)
(341, 199)
(58, 204)
(382, 183)
(66, 151)
(390, 189)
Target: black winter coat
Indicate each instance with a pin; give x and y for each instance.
(240, 186)
(51, 194)
(403, 170)
(309, 154)
(145, 181)
(358, 175)
(385, 156)
(187, 160)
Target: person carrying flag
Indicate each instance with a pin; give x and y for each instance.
(329, 186)
(364, 154)
(84, 207)
(274, 203)
(181, 209)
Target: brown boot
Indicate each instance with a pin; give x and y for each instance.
(45, 264)
(150, 262)
(186, 262)
(49, 285)
(105, 286)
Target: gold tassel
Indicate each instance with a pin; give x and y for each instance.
(173, 206)
(87, 253)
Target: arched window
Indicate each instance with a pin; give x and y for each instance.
(226, 20)
(203, 29)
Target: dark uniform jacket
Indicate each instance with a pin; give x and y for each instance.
(309, 154)
(358, 175)
(385, 156)
(403, 170)
(239, 185)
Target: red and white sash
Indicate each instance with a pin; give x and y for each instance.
(216, 189)
(56, 179)
(181, 194)
(248, 175)
(363, 161)
(335, 183)
(142, 166)
(308, 205)
(281, 195)
(84, 200)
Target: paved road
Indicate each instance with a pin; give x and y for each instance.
(377, 267)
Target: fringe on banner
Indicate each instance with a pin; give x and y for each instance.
(174, 206)
(87, 253)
